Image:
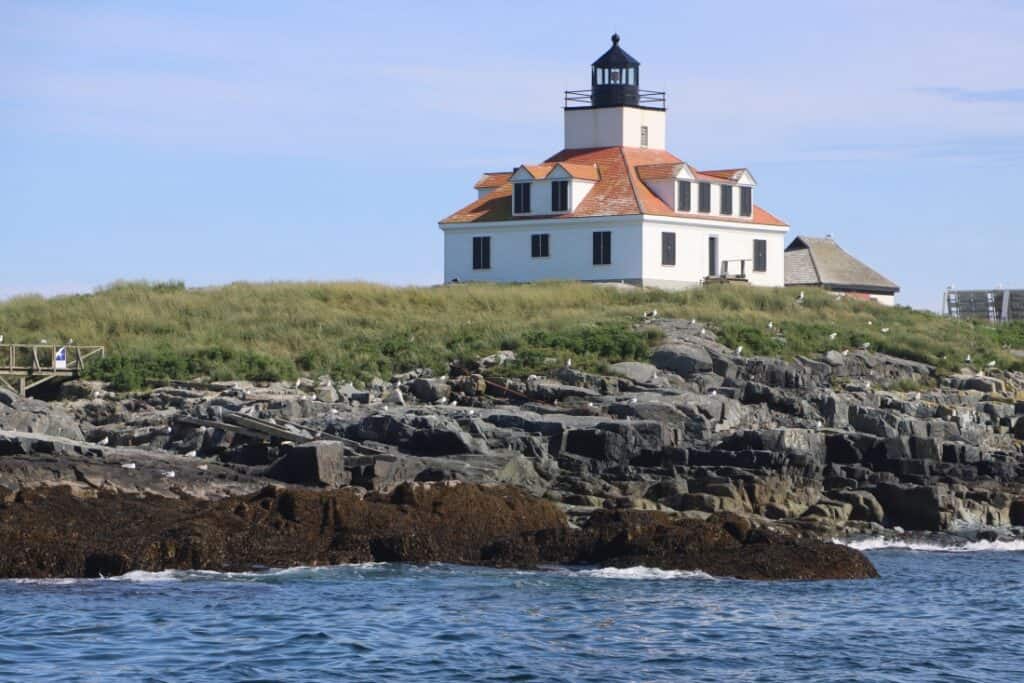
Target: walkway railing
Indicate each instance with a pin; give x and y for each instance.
(33, 364)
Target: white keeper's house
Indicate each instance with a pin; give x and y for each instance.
(615, 205)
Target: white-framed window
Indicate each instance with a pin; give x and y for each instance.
(643, 136)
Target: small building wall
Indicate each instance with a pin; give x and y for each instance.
(570, 247)
(692, 258)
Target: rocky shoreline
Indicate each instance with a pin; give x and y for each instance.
(701, 459)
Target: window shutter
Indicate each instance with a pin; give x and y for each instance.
(712, 256)
(597, 248)
(704, 205)
(746, 205)
(726, 203)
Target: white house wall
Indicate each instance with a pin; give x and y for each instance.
(570, 247)
(613, 127)
(692, 252)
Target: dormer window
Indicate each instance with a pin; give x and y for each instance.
(726, 205)
(746, 202)
(559, 195)
(521, 198)
(683, 196)
(704, 197)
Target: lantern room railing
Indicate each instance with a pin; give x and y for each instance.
(581, 99)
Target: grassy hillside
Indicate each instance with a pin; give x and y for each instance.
(356, 331)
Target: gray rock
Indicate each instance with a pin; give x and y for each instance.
(317, 463)
(643, 374)
(682, 359)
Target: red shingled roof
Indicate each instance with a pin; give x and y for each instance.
(492, 180)
(618, 190)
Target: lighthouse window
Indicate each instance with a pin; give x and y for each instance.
(521, 197)
(560, 195)
(704, 197)
(481, 253)
(643, 136)
(616, 75)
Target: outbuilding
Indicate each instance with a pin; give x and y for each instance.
(820, 262)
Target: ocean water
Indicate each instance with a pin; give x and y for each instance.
(933, 616)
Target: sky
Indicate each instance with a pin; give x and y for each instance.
(213, 142)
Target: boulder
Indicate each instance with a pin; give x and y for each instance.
(915, 508)
(317, 463)
(682, 359)
(864, 507)
(430, 390)
(643, 374)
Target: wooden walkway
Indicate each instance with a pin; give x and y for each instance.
(29, 365)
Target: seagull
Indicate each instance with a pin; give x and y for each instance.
(866, 345)
(693, 321)
(204, 467)
(771, 325)
(703, 331)
(917, 396)
(867, 385)
(104, 441)
(633, 401)
(846, 352)
(651, 314)
(454, 403)
(991, 364)
(885, 330)
(70, 341)
(870, 322)
(169, 474)
(128, 466)
(833, 335)
(43, 341)
(714, 392)
(473, 412)
(968, 359)
(1, 339)
(589, 404)
(818, 424)
(190, 454)
(801, 297)
(739, 350)
(170, 429)
(568, 362)
(297, 382)
(334, 411)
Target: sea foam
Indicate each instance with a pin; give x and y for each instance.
(642, 573)
(879, 543)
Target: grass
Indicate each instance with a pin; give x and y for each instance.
(355, 331)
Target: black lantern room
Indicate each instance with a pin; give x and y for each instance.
(615, 78)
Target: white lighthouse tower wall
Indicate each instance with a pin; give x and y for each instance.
(614, 127)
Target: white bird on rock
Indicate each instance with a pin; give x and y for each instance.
(1, 339)
(128, 465)
(703, 331)
(714, 392)
(866, 345)
(871, 322)
(104, 441)
(43, 341)
(771, 325)
(885, 330)
(169, 474)
(204, 467)
(651, 314)
(801, 297)
(633, 401)
(818, 424)
(739, 350)
(968, 359)
(846, 352)
(190, 454)
(693, 321)
(991, 363)
(568, 362)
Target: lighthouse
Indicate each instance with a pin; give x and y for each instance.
(614, 205)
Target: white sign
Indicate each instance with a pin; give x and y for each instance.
(60, 359)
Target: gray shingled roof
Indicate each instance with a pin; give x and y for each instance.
(820, 261)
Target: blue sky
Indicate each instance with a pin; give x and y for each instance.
(215, 142)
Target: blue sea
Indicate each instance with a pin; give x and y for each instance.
(933, 616)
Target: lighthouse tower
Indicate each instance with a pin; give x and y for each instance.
(615, 112)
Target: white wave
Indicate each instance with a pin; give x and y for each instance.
(641, 573)
(898, 544)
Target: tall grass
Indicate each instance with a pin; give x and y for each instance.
(355, 331)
